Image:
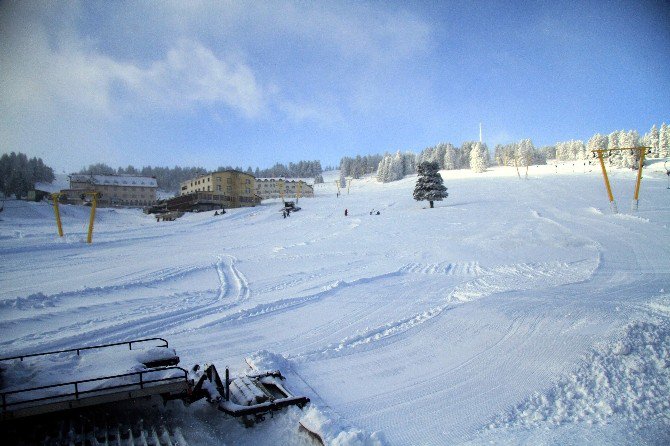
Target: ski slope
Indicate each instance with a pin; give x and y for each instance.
(517, 310)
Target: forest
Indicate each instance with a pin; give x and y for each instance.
(18, 174)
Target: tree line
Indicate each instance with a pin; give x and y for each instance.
(18, 174)
(476, 156)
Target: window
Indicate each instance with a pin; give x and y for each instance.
(229, 180)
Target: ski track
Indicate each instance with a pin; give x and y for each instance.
(498, 280)
(149, 280)
(233, 289)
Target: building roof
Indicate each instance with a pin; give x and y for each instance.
(114, 180)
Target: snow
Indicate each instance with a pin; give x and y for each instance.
(514, 312)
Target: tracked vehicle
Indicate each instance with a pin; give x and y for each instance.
(56, 382)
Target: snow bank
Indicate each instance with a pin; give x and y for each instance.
(334, 431)
(325, 424)
(265, 360)
(630, 380)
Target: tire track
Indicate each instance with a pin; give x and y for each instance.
(232, 289)
(507, 278)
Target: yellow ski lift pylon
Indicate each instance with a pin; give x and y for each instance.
(599, 153)
(94, 204)
(55, 197)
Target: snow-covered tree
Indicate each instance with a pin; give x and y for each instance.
(628, 158)
(397, 167)
(504, 154)
(429, 185)
(450, 161)
(664, 141)
(465, 149)
(548, 153)
(382, 169)
(651, 140)
(597, 142)
(524, 153)
(478, 157)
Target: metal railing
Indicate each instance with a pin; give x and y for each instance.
(142, 383)
(78, 350)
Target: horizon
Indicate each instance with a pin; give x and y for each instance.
(252, 85)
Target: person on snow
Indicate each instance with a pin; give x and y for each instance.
(346, 212)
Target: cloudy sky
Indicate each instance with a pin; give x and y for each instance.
(211, 83)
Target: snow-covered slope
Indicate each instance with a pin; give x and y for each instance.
(515, 311)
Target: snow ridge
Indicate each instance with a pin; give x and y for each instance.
(372, 335)
(41, 300)
(524, 276)
(447, 268)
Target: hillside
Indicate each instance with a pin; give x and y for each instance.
(515, 311)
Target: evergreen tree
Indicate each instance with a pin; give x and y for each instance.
(397, 167)
(664, 141)
(478, 158)
(429, 185)
(466, 147)
(548, 153)
(597, 142)
(651, 139)
(524, 153)
(18, 174)
(99, 169)
(450, 161)
(382, 170)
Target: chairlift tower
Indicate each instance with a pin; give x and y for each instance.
(601, 153)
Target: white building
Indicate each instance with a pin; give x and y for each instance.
(291, 188)
(115, 190)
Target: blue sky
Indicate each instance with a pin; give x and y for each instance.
(211, 83)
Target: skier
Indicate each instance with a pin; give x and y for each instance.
(346, 212)
(284, 214)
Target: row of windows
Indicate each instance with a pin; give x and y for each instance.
(209, 180)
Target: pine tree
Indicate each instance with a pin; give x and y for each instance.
(450, 161)
(478, 158)
(651, 139)
(664, 141)
(429, 185)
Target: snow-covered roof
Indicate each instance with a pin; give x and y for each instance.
(114, 180)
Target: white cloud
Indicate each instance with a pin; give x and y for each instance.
(191, 74)
(74, 74)
(46, 67)
(300, 113)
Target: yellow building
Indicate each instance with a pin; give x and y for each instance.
(274, 187)
(229, 188)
